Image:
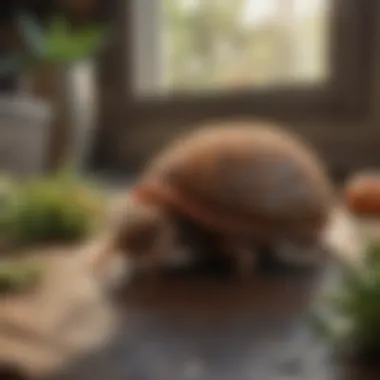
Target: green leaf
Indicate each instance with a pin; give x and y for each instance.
(356, 299)
(32, 34)
(58, 41)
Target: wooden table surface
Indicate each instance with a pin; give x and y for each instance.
(180, 328)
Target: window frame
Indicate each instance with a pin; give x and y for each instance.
(346, 91)
(346, 97)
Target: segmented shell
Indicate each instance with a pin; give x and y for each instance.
(241, 177)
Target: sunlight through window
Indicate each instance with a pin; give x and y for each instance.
(223, 44)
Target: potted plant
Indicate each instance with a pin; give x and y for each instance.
(57, 209)
(349, 316)
(51, 35)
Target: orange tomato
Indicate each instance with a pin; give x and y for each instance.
(362, 194)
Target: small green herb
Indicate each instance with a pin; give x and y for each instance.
(18, 276)
(351, 315)
(59, 42)
(58, 208)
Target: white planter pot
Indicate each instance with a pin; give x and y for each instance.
(81, 92)
(24, 135)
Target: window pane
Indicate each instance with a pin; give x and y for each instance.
(226, 44)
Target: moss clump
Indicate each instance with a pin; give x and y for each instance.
(17, 276)
(58, 208)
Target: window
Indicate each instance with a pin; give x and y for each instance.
(174, 63)
(313, 51)
(221, 45)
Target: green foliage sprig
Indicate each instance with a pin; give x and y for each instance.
(56, 42)
(59, 42)
(17, 276)
(58, 208)
(350, 314)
